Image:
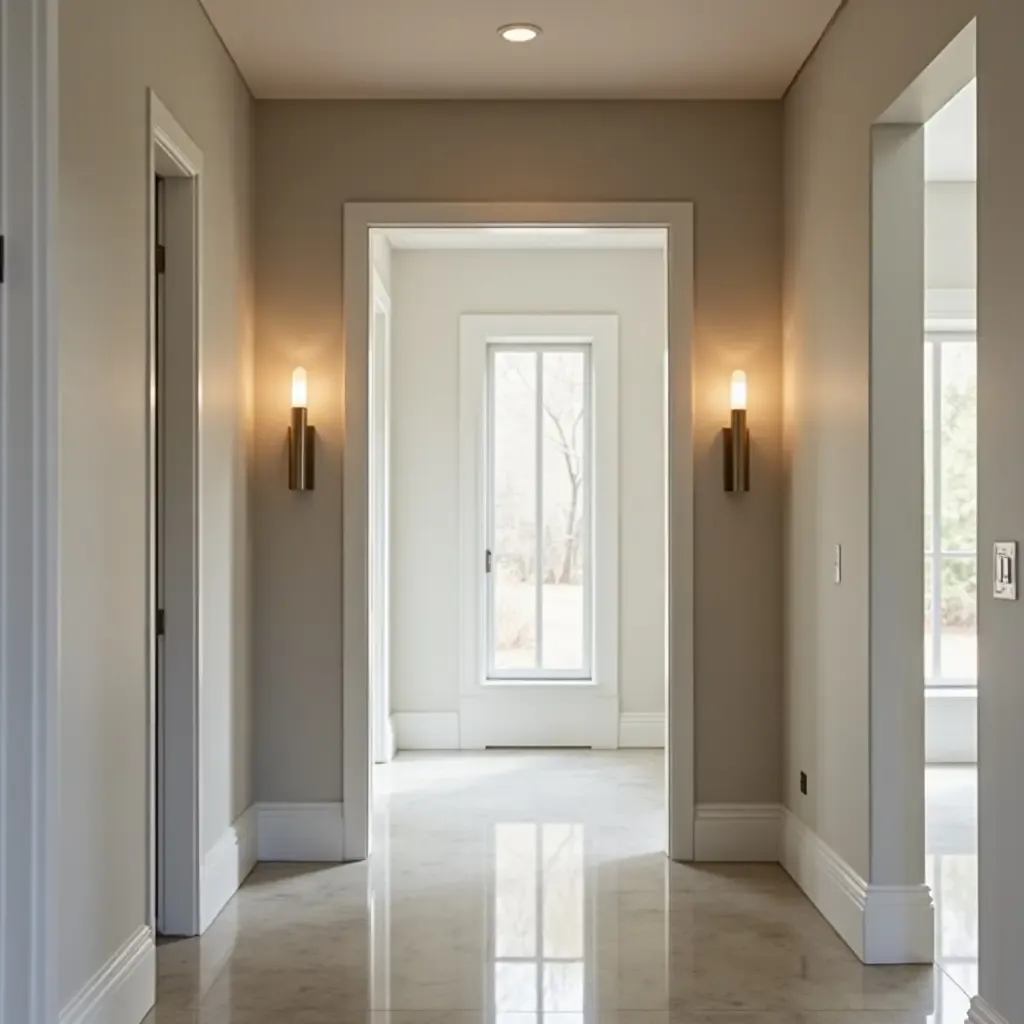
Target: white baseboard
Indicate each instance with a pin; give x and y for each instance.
(745, 833)
(550, 717)
(226, 866)
(981, 1013)
(301, 832)
(426, 730)
(641, 729)
(882, 924)
(124, 990)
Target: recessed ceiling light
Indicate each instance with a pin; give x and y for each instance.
(519, 33)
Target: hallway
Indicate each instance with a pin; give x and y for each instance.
(518, 888)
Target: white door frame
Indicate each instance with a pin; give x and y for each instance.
(380, 483)
(175, 845)
(29, 502)
(357, 725)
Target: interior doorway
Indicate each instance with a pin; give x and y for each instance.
(175, 869)
(491, 504)
(924, 559)
(951, 557)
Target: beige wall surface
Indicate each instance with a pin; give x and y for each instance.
(313, 157)
(110, 52)
(429, 293)
(871, 54)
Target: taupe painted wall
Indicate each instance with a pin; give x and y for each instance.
(867, 59)
(110, 52)
(311, 158)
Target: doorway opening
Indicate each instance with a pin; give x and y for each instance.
(175, 175)
(924, 556)
(519, 586)
(951, 577)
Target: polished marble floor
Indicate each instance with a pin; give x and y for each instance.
(516, 888)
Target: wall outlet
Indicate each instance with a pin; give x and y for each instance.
(803, 783)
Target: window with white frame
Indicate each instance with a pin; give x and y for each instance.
(951, 509)
(539, 499)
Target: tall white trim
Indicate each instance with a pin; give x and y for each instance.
(122, 990)
(29, 501)
(882, 924)
(177, 843)
(677, 218)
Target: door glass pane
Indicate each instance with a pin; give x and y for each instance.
(514, 508)
(959, 651)
(565, 484)
(959, 446)
(929, 434)
(929, 666)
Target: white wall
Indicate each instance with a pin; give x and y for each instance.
(430, 290)
(110, 52)
(951, 263)
(951, 234)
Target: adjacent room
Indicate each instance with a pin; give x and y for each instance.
(951, 563)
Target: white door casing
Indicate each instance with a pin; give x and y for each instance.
(357, 727)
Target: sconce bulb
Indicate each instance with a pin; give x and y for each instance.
(738, 390)
(299, 388)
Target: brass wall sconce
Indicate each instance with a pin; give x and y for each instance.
(736, 437)
(300, 437)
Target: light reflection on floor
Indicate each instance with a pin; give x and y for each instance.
(952, 870)
(531, 888)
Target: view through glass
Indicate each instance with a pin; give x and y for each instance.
(539, 511)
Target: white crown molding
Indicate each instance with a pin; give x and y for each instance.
(882, 924)
(642, 729)
(226, 866)
(300, 832)
(123, 990)
(748, 833)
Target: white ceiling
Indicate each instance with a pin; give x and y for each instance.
(951, 139)
(590, 49)
(526, 238)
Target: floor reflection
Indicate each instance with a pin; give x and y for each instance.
(952, 871)
(512, 888)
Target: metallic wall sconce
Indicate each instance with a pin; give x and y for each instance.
(736, 437)
(300, 437)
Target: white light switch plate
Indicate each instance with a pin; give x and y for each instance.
(1004, 570)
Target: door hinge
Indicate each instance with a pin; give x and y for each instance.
(488, 561)
(161, 259)
(160, 622)
(3, 261)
